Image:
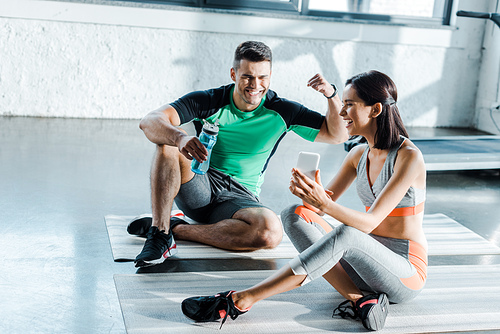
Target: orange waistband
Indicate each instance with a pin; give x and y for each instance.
(403, 212)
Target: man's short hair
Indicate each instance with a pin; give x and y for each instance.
(252, 51)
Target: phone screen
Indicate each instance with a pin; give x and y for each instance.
(308, 163)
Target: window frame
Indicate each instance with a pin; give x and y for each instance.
(442, 10)
(445, 19)
(291, 6)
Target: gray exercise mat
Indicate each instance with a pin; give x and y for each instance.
(445, 236)
(456, 298)
(125, 247)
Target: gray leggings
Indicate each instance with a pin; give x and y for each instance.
(375, 264)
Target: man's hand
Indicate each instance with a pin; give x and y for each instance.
(191, 147)
(319, 83)
(333, 130)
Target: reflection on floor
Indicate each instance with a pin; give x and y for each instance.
(60, 177)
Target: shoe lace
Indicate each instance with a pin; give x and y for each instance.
(229, 311)
(150, 243)
(345, 310)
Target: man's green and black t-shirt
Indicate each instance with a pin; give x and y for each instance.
(247, 140)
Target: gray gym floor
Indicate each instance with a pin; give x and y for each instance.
(60, 177)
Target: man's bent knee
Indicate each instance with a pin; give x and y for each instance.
(268, 238)
(169, 156)
(266, 226)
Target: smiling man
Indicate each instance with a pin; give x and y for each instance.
(252, 120)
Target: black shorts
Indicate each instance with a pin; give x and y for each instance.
(213, 197)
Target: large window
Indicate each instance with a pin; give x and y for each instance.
(399, 11)
(435, 12)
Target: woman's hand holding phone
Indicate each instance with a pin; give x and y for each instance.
(306, 181)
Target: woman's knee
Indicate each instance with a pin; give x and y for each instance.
(289, 217)
(348, 233)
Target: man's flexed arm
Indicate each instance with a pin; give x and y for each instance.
(333, 130)
(161, 127)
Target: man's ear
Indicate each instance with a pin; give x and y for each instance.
(233, 74)
(376, 109)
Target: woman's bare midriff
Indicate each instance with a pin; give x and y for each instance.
(408, 228)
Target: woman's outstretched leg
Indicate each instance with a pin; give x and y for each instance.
(232, 304)
(281, 281)
(285, 280)
(304, 227)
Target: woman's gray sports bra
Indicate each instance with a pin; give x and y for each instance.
(413, 201)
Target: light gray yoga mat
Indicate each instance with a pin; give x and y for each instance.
(445, 236)
(456, 298)
(125, 247)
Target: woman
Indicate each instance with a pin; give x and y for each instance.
(372, 257)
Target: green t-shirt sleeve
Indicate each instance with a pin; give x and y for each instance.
(305, 132)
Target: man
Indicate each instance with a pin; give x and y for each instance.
(252, 121)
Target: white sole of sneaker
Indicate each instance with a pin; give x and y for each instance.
(168, 253)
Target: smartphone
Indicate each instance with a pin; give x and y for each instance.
(308, 164)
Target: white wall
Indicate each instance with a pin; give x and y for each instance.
(67, 59)
(488, 96)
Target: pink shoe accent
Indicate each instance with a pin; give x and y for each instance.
(171, 251)
(371, 301)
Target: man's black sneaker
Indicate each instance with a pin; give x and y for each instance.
(371, 309)
(140, 225)
(158, 247)
(211, 308)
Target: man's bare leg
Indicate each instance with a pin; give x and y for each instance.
(169, 170)
(249, 229)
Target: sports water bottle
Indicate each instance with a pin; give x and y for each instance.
(208, 137)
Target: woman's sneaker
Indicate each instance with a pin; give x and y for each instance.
(211, 308)
(371, 310)
(158, 247)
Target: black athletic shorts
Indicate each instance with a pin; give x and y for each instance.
(213, 197)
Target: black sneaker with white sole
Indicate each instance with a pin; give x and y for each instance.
(140, 225)
(371, 310)
(211, 308)
(158, 247)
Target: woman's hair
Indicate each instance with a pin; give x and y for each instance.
(376, 87)
(252, 51)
